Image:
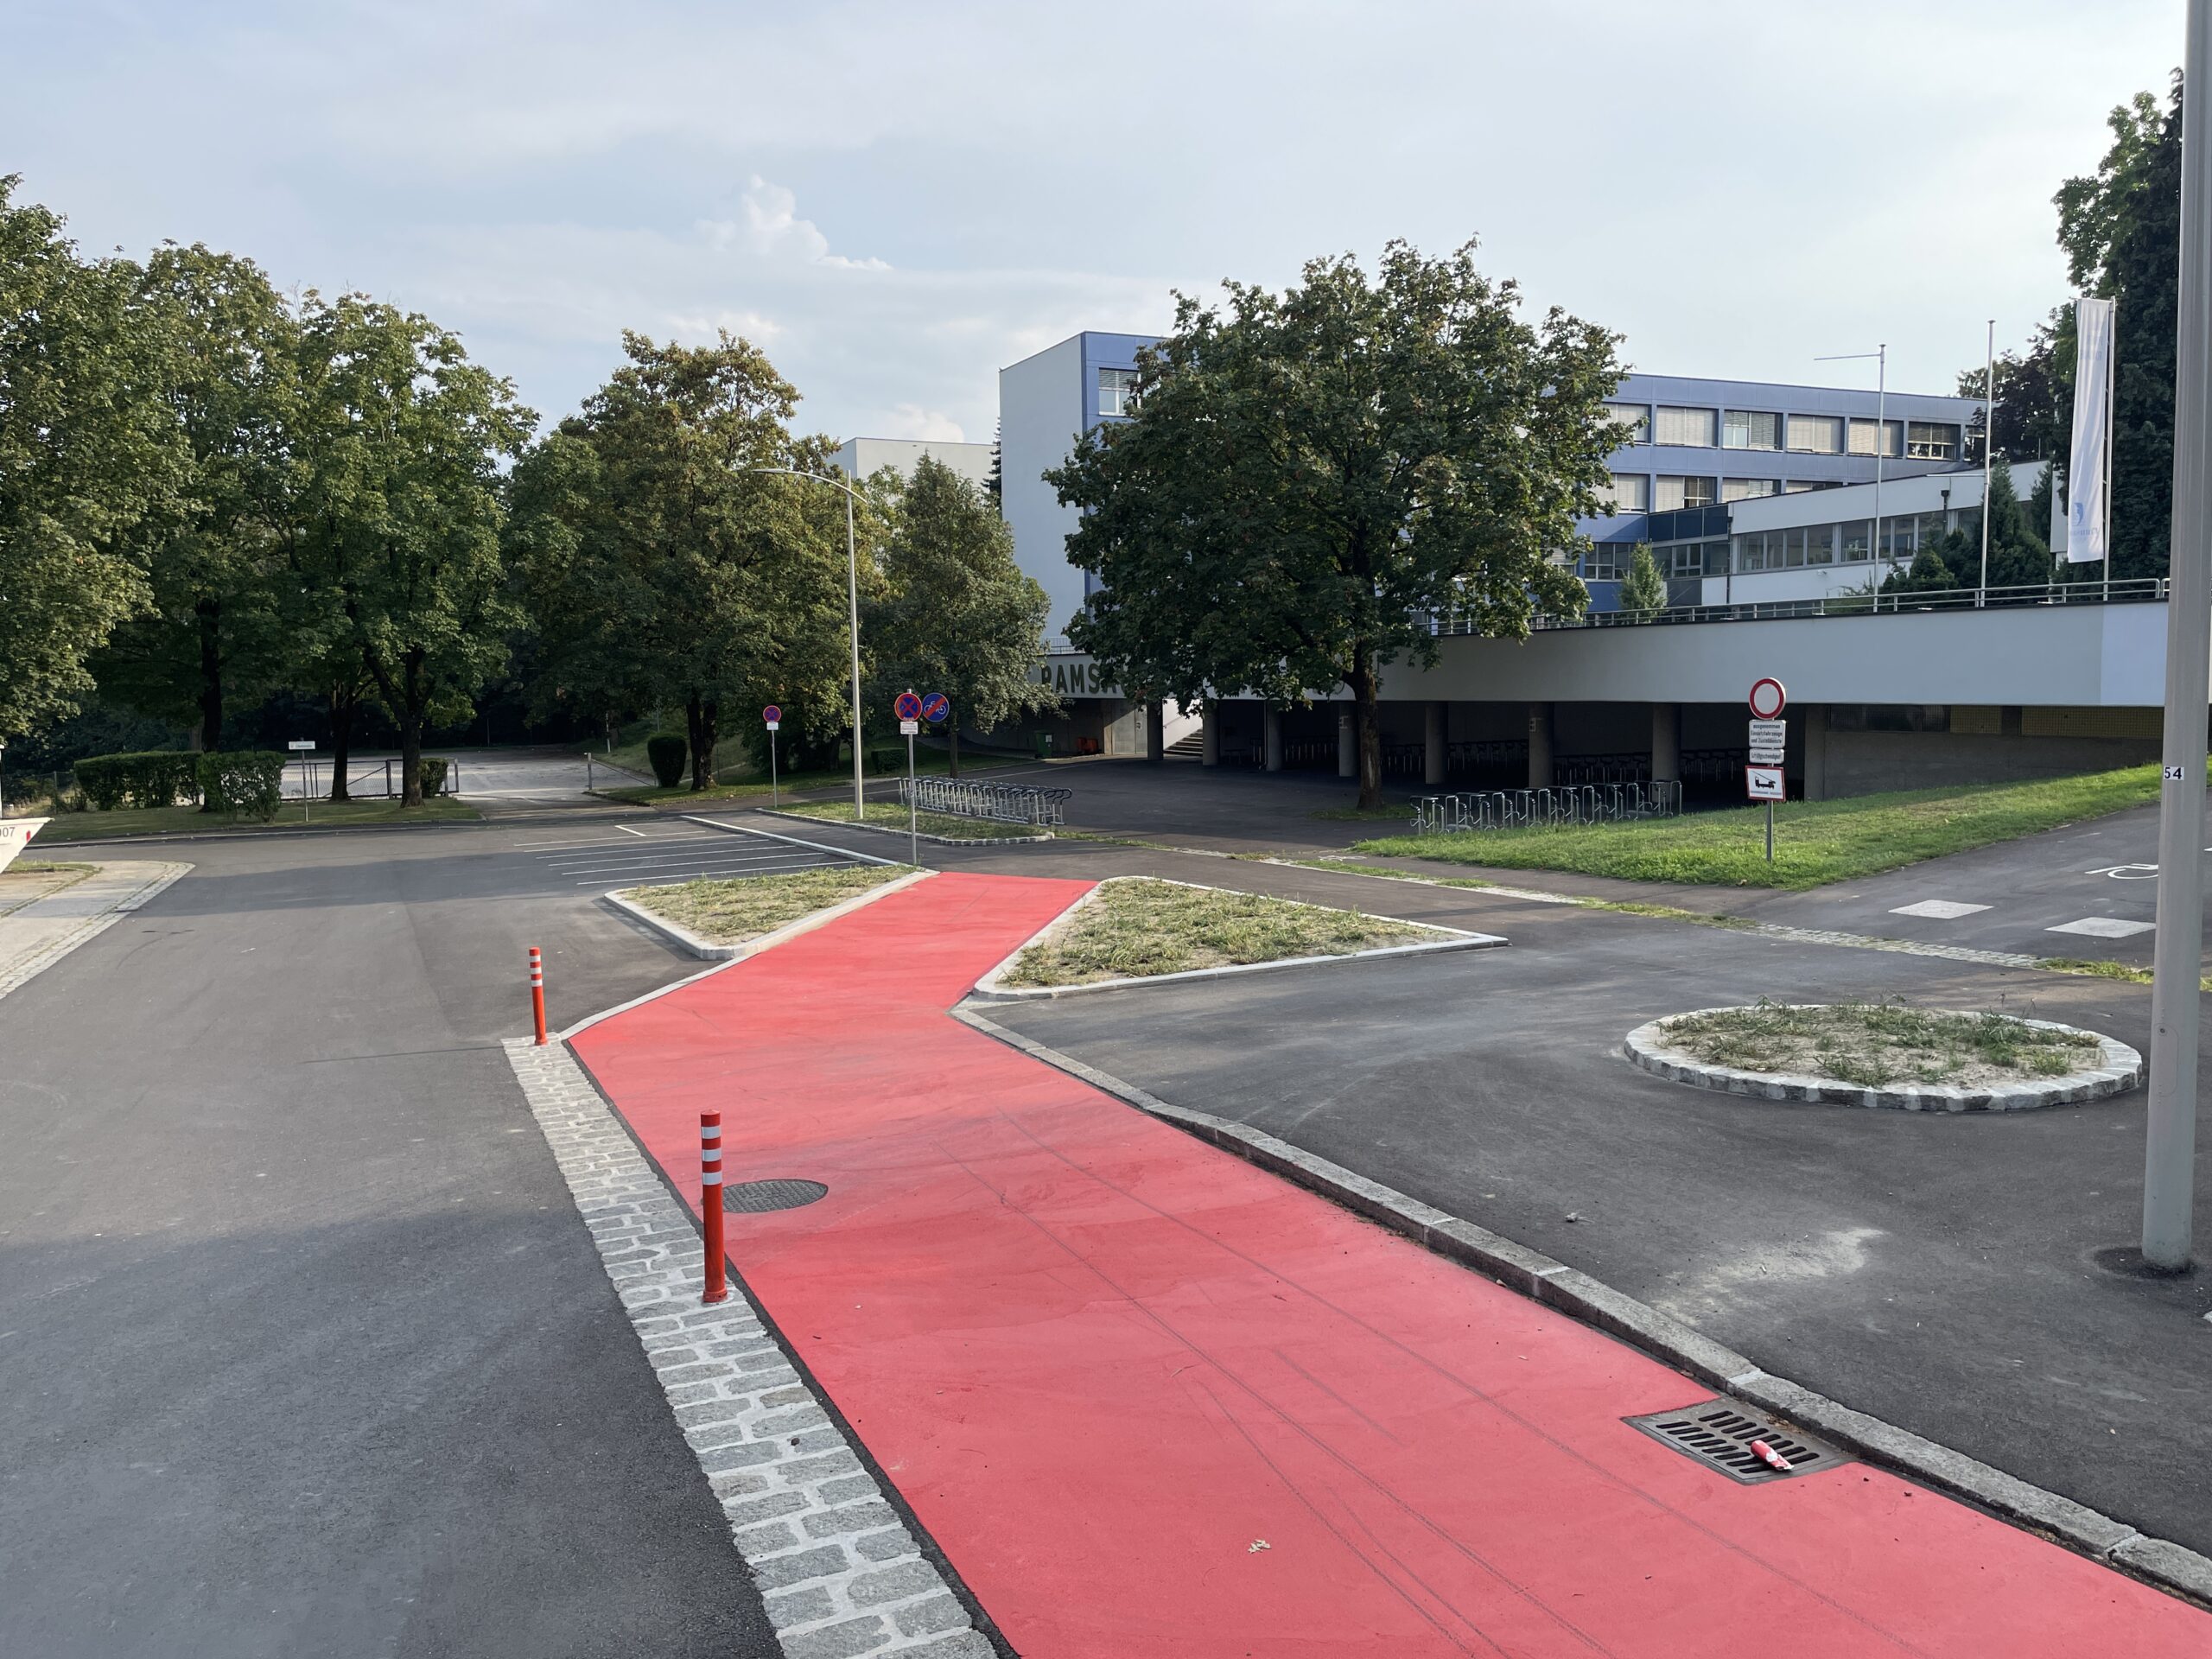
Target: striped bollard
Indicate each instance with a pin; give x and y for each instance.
(537, 994)
(710, 1204)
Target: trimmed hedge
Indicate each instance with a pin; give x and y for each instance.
(151, 778)
(245, 782)
(434, 775)
(666, 751)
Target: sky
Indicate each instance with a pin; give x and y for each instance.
(896, 201)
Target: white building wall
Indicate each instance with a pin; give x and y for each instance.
(864, 457)
(1040, 416)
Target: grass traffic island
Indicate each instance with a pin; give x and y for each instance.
(1885, 1054)
(937, 826)
(1814, 841)
(190, 820)
(735, 910)
(1133, 928)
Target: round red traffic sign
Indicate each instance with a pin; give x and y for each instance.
(772, 714)
(1768, 698)
(908, 707)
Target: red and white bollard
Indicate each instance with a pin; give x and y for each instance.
(537, 994)
(710, 1204)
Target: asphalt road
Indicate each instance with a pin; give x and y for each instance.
(303, 1347)
(1936, 1271)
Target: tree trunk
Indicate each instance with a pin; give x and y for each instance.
(410, 732)
(210, 613)
(1368, 727)
(699, 720)
(952, 747)
(342, 704)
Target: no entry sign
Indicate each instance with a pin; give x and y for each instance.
(935, 707)
(1768, 698)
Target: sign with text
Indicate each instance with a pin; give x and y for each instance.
(300, 743)
(909, 727)
(1074, 674)
(1763, 784)
(1769, 732)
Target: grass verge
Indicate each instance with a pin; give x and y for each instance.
(1816, 841)
(736, 909)
(1871, 1044)
(1135, 925)
(890, 815)
(190, 820)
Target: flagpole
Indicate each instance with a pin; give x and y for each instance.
(2112, 361)
(1988, 448)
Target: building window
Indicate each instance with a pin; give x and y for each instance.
(1751, 550)
(1930, 441)
(1862, 438)
(1633, 419)
(1857, 538)
(1748, 489)
(1688, 429)
(1930, 530)
(1631, 493)
(1674, 494)
(1750, 429)
(1607, 560)
(1117, 392)
(1816, 435)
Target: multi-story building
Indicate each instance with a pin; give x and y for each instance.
(864, 457)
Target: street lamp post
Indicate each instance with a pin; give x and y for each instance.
(1881, 356)
(853, 603)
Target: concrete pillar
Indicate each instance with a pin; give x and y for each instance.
(1432, 771)
(1155, 732)
(1816, 752)
(1272, 719)
(1347, 743)
(1539, 746)
(1666, 742)
(1210, 734)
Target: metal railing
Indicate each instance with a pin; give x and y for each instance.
(1000, 802)
(2141, 590)
(1530, 808)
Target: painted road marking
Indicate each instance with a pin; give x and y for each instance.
(611, 861)
(2127, 872)
(2103, 927)
(628, 830)
(1943, 910)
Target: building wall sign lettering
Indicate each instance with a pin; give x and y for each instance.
(1075, 676)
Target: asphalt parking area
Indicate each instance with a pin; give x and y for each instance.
(1939, 1272)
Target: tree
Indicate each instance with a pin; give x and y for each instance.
(665, 567)
(213, 558)
(958, 615)
(88, 455)
(1310, 479)
(1644, 590)
(400, 440)
(2019, 557)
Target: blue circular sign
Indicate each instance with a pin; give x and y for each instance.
(908, 706)
(936, 705)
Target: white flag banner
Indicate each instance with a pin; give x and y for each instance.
(2087, 480)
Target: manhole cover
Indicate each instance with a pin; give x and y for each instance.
(752, 1197)
(1720, 1433)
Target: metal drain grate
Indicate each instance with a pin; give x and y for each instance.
(1720, 1434)
(755, 1197)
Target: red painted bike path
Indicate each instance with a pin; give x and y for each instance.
(1151, 1401)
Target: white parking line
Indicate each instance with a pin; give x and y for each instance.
(1943, 910)
(2103, 927)
(670, 878)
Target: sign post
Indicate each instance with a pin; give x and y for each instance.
(773, 718)
(304, 748)
(1762, 777)
(908, 708)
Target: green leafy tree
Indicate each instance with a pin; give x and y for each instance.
(665, 567)
(1644, 590)
(2019, 557)
(401, 504)
(957, 614)
(1311, 477)
(215, 557)
(89, 455)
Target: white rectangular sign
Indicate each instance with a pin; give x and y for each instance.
(1763, 784)
(1762, 756)
(301, 743)
(2087, 482)
(908, 728)
(1768, 732)
(775, 725)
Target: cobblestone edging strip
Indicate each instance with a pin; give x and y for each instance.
(35, 938)
(2119, 1069)
(842, 1574)
(1534, 1274)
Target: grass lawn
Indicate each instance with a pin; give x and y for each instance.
(890, 815)
(732, 911)
(1814, 841)
(190, 820)
(1134, 925)
(1871, 1044)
